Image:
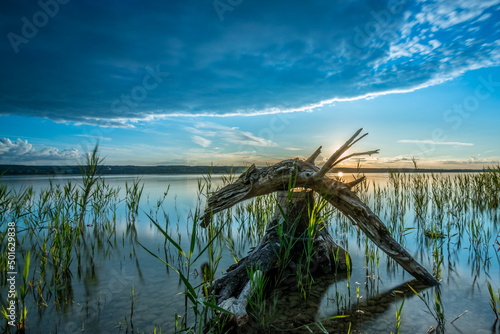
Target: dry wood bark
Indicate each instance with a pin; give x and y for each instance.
(290, 222)
(304, 173)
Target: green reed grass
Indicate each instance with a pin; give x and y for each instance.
(133, 197)
(67, 226)
(258, 303)
(494, 301)
(62, 224)
(399, 311)
(202, 309)
(434, 307)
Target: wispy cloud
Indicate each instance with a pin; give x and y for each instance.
(226, 134)
(486, 162)
(93, 137)
(432, 142)
(201, 141)
(232, 71)
(20, 151)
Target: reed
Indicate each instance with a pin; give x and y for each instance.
(133, 198)
(399, 311)
(204, 311)
(258, 303)
(54, 224)
(69, 227)
(494, 301)
(434, 307)
(90, 176)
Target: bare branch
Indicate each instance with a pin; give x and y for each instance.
(355, 182)
(261, 181)
(326, 167)
(355, 154)
(354, 142)
(313, 157)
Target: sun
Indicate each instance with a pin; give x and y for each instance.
(340, 174)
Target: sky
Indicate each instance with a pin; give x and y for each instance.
(236, 82)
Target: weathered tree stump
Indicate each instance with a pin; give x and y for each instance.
(291, 224)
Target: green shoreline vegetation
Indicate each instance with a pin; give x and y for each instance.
(62, 230)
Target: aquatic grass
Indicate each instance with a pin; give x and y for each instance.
(437, 255)
(132, 198)
(160, 205)
(257, 303)
(24, 289)
(90, 176)
(284, 232)
(494, 301)
(199, 307)
(457, 217)
(436, 310)
(53, 224)
(318, 216)
(372, 260)
(286, 243)
(133, 300)
(399, 311)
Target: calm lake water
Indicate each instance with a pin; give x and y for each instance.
(99, 300)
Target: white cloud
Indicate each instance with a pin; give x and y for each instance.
(201, 141)
(231, 135)
(20, 151)
(432, 142)
(491, 162)
(94, 137)
(434, 43)
(444, 14)
(296, 68)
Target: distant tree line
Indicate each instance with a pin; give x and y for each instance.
(183, 169)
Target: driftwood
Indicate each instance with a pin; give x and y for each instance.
(290, 222)
(305, 174)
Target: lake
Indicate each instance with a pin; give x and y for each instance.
(110, 283)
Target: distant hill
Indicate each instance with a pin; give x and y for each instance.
(181, 169)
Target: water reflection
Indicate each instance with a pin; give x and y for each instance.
(90, 290)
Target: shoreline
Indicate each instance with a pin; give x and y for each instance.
(184, 169)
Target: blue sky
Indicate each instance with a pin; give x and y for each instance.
(234, 82)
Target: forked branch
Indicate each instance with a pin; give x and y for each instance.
(261, 181)
(335, 156)
(313, 157)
